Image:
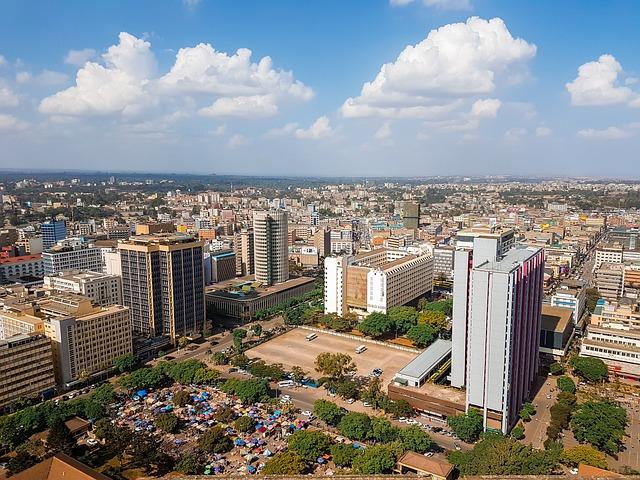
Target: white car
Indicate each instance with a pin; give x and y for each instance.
(350, 401)
(307, 413)
(92, 442)
(366, 404)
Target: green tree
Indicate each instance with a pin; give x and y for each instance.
(415, 439)
(219, 358)
(248, 391)
(239, 334)
(422, 335)
(590, 368)
(183, 342)
(592, 297)
(334, 365)
(467, 426)
(527, 411)
(375, 460)
(189, 464)
(284, 463)
(403, 318)
(181, 398)
(355, 425)
(245, 424)
(556, 368)
(215, 440)
(225, 414)
(21, 461)
(444, 306)
(328, 412)
(256, 328)
(376, 325)
(124, 363)
(517, 433)
(585, 454)
(343, 455)
(205, 376)
(167, 422)
(104, 395)
(399, 408)
(565, 384)
(59, 438)
(434, 318)
(142, 378)
(298, 374)
(262, 370)
(336, 323)
(347, 389)
(383, 431)
(602, 424)
(309, 444)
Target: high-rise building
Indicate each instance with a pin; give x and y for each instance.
(243, 248)
(52, 231)
(26, 363)
(72, 254)
(271, 251)
(163, 284)
(496, 328)
(410, 214)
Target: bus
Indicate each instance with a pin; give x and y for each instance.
(361, 349)
(311, 336)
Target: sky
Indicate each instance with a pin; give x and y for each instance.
(322, 88)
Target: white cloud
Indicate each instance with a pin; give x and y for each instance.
(3, 61)
(23, 77)
(383, 132)
(453, 64)
(321, 128)
(9, 123)
(442, 4)
(486, 108)
(220, 130)
(117, 87)
(80, 57)
(543, 131)
(8, 98)
(46, 78)
(253, 106)
(514, 134)
(288, 129)
(597, 84)
(237, 140)
(191, 4)
(610, 133)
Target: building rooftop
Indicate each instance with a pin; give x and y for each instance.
(428, 359)
(58, 467)
(556, 318)
(159, 238)
(20, 259)
(510, 260)
(431, 465)
(247, 288)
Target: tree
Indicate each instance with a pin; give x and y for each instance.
(399, 408)
(527, 411)
(383, 431)
(444, 306)
(467, 426)
(347, 389)
(376, 325)
(556, 368)
(336, 323)
(215, 440)
(256, 328)
(566, 398)
(592, 297)
(590, 368)
(181, 398)
(375, 460)
(20, 462)
(309, 444)
(422, 335)
(343, 455)
(262, 370)
(565, 384)
(167, 422)
(374, 394)
(59, 438)
(334, 365)
(284, 463)
(104, 395)
(585, 454)
(435, 318)
(495, 454)
(219, 358)
(518, 433)
(355, 425)
(328, 412)
(239, 334)
(225, 414)
(142, 378)
(602, 424)
(245, 424)
(189, 464)
(183, 342)
(415, 439)
(403, 318)
(205, 376)
(124, 363)
(248, 391)
(298, 374)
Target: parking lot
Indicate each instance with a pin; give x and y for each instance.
(292, 348)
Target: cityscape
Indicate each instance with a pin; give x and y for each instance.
(438, 277)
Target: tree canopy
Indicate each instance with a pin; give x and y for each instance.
(309, 444)
(590, 368)
(467, 426)
(334, 365)
(422, 335)
(376, 325)
(328, 412)
(602, 424)
(284, 463)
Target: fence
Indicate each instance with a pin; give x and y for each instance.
(361, 339)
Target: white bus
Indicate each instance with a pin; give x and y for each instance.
(311, 336)
(286, 383)
(361, 349)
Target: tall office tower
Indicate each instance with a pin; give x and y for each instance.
(163, 284)
(410, 214)
(243, 248)
(271, 251)
(496, 328)
(52, 231)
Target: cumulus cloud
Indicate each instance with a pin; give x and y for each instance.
(486, 108)
(8, 98)
(10, 123)
(610, 133)
(125, 82)
(288, 129)
(441, 4)
(80, 57)
(383, 132)
(321, 128)
(543, 131)
(597, 84)
(443, 72)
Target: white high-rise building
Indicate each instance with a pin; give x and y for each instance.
(271, 246)
(496, 328)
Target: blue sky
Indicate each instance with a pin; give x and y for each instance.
(469, 87)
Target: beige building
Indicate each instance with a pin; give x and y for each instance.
(243, 248)
(19, 321)
(26, 363)
(101, 288)
(609, 280)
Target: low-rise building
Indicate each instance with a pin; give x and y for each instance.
(571, 294)
(556, 330)
(101, 288)
(72, 254)
(12, 268)
(617, 345)
(609, 280)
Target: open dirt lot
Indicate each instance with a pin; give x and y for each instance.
(292, 348)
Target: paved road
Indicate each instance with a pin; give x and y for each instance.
(630, 457)
(536, 430)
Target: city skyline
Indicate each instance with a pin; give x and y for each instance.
(366, 89)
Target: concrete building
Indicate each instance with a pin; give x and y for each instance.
(618, 345)
(376, 281)
(410, 214)
(443, 262)
(223, 265)
(496, 328)
(571, 294)
(30, 245)
(12, 268)
(504, 236)
(271, 250)
(19, 321)
(101, 288)
(626, 315)
(556, 330)
(243, 248)
(609, 280)
(52, 232)
(611, 253)
(26, 363)
(85, 338)
(163, 284)
(72, 254)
